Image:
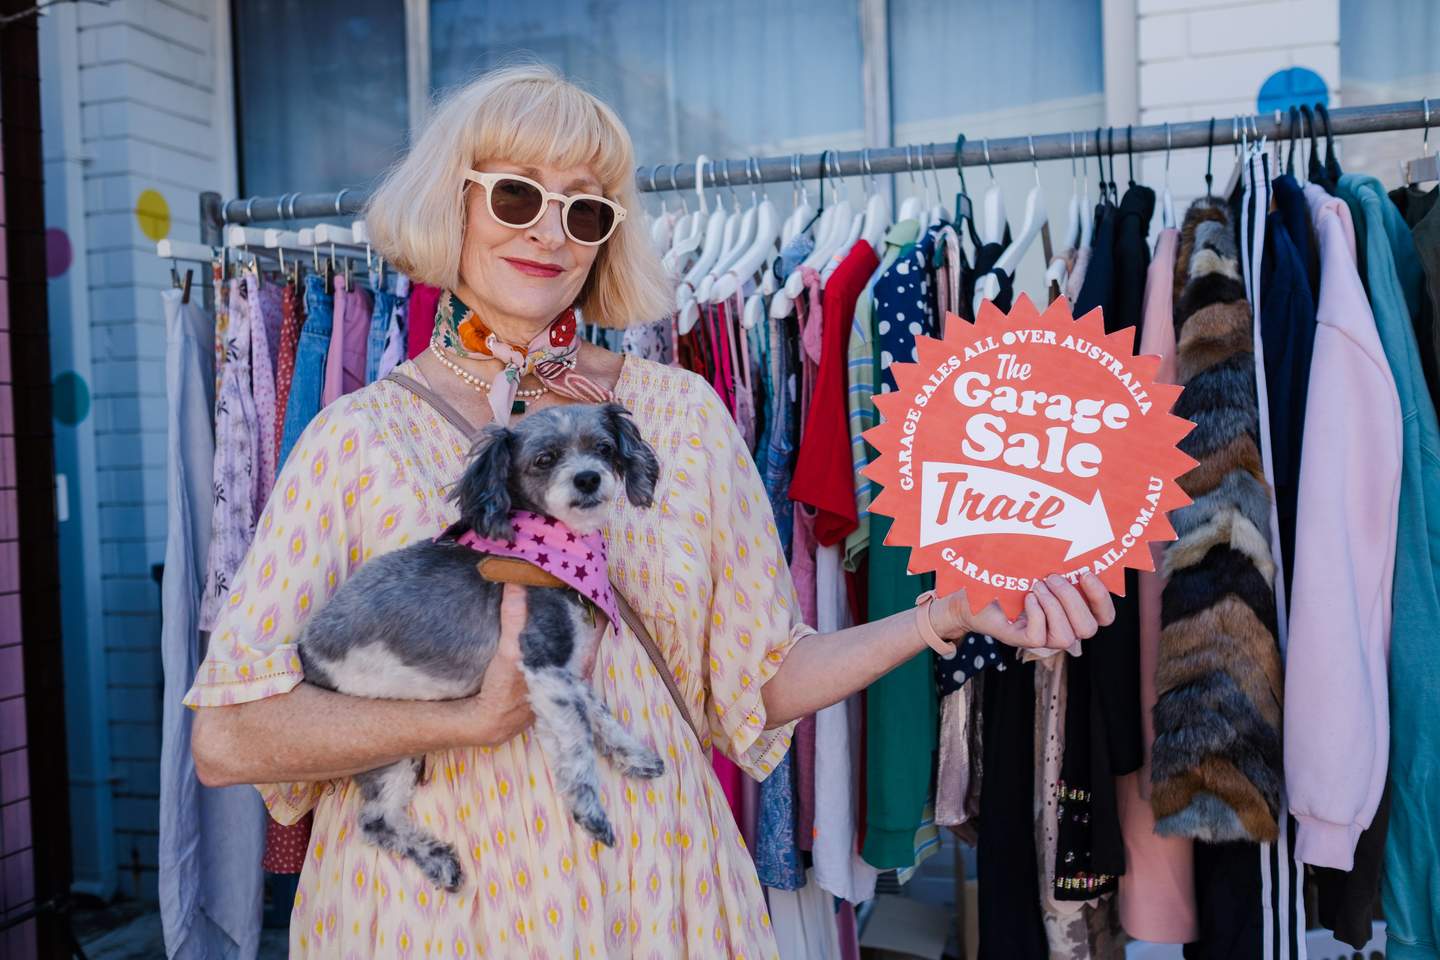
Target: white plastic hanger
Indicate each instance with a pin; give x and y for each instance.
(760, 250)
(1072, 210)
(992, 223)
(782, 301)
(988, 286)
(687, 310)
(690, 242)
(877, 208)
(745, 241)
(938, 211)
(830, 231)
(728, 240)
(910, 206)
(1167, 200)
(800, 201)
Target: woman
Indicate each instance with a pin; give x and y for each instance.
(703, 567)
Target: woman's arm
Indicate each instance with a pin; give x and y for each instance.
(822, 669)
(316, 734)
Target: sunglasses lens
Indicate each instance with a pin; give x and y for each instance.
(590, 221)
(514, 202)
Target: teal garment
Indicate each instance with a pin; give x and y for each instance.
(901, 719)
(1411, 889)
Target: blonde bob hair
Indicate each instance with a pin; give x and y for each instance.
(526, 115)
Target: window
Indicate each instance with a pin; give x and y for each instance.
(1389, 50)
(320, 93)
(727, 79)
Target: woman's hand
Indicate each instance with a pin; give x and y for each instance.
(1056, 614)
(502, 707)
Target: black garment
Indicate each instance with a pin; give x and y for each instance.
(985, 259)
(1011, 927)
(1095, 291)
(1348, 902)
(1132, 258)
(1287, 331)
(1423, 215)
(1295, 212)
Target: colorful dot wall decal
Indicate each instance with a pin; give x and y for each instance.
(57, 252)
(70, 397)
(153, 213)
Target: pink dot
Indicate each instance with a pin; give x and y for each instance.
(57, 252)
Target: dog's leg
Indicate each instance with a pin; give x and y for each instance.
(384, 822)
(562, 721)
(630, 756)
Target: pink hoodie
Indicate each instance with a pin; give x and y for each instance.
(1157, 890)
(1337, 722)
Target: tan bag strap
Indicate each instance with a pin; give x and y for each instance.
(627, 612)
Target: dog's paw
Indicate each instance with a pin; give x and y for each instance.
(645, 764)
(441, 865)
(597, 825)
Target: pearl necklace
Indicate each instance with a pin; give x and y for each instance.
(480, 385)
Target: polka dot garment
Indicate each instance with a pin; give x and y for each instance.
(703, 567)
(902, 311)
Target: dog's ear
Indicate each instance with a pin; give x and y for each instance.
(483, 491)
(637, 460)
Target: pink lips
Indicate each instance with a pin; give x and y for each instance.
(533, 269)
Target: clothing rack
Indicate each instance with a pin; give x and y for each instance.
(216, 213)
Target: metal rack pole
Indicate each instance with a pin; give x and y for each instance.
(1344, 121)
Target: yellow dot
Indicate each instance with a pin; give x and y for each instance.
(153, 214)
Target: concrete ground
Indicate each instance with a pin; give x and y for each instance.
(127, 930)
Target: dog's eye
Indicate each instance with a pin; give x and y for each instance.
(545, 461)
(605, 448)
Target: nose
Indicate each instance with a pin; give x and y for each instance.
(549, 232)
(587, 481)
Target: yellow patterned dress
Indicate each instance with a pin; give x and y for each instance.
(704, 568)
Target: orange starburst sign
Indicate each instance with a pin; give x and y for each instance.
(1024, 445)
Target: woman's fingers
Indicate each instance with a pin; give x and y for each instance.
(1101, 604)
(992, 622)
(1082, 621)
(1058, 633)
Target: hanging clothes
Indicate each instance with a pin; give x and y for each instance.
(308, 384)
(822, 467)
(860, 387)
(1156, 897)
(292, 314)
(1420, 211)
(420, 318)
(1337, 729)
(1412, 866)
(210, 839)
(236, 473)
(1219, 597)
(263, 304)
(383, 307)
(393, 353)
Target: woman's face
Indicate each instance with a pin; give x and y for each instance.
(524, 278)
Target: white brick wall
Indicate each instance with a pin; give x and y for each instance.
(147, 119)
(1208, 58)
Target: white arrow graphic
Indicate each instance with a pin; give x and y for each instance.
(978, 500)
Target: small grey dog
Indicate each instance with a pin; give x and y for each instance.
(420, 623)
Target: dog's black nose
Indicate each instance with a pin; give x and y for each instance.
(587, 481)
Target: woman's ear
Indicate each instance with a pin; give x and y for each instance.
(483, 491)
(637, 460)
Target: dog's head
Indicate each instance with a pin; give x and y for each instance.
(565, 461)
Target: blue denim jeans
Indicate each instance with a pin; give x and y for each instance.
(379, 327)
(308, 381)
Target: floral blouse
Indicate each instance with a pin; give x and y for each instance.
(704, 568)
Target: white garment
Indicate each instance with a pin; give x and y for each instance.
(838, 865)
(211, 840)
(804, 922)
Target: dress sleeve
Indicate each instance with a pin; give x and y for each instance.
(306, 543)
(754, 614)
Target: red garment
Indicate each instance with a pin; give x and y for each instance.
(420, 322)
(292, 312)
(824, 473)
(285, 846)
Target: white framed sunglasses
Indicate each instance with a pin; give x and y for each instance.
(520, 202)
